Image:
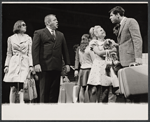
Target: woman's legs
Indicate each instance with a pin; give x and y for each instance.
(15, 93)
(105, 92)
(78, 93)
(21, 94)
(99, 93)
(92, 91)
(82, 94)
(12, 95)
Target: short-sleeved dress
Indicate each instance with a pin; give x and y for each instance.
(18, 59)
(98, 74)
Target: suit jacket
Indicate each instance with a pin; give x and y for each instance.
(48, 51)
(130, 41)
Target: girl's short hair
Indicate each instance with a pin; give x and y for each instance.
(84, 42)
(17, 26)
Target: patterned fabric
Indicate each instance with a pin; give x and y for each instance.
(98, 75)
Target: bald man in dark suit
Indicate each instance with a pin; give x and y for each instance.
(49, 46)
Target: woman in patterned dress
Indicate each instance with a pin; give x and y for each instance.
(98, 81)
(18, 61)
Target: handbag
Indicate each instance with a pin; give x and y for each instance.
(30, 91)
(114, 78)
(108, 58)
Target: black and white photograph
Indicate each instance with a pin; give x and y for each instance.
(74, 60)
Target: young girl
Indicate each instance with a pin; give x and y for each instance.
(86, 57)
(98, 81)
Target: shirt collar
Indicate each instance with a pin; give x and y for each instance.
(50, 30)
(122, 20)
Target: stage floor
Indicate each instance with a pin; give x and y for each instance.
(74, 111)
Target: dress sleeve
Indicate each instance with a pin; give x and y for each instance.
(9, 52)
(93, 43)
(91, 53)
(30, 52)
(77, 59)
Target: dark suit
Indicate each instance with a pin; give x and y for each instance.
(48, 52)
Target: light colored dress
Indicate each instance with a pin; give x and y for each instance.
(19, 58)
(86, 58)
(98, 74)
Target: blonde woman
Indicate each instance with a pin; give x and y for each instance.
(98, 81)
(18, 61)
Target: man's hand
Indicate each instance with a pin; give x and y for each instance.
(38, 68)
(67, 68)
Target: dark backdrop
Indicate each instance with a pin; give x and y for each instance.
(74, 20)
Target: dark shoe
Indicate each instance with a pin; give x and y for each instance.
(115, 90)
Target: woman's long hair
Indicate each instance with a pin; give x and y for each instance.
(84, 42)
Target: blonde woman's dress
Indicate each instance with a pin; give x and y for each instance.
(98, 75)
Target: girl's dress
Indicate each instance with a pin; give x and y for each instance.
(86, 59)
(98, 74)
(18, 59)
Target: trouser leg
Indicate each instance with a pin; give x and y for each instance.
(52, 86)
(42, 86)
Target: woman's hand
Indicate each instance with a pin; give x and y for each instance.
(114, 49)
(6, 70)
(31, 69)
(75, 73)
(66, 79)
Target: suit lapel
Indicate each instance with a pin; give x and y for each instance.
(47, 32)
(121, 27)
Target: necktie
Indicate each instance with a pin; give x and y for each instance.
(119, 27)
(53, 34)
(116, 29)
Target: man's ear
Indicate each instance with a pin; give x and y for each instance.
(48, 22)
(118, 15)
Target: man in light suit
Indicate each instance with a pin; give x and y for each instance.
(48, 48)
(128, 37)
(129, 40)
